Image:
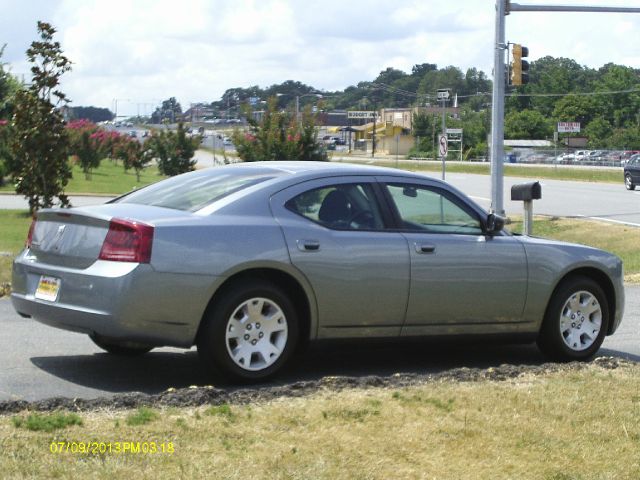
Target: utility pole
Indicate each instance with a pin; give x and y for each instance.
(503, 8)
(497, 113)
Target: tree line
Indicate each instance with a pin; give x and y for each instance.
(36, 140)
(38, 146)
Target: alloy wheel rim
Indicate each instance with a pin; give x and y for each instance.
(580, 320)
(627, 181)
(256, 334)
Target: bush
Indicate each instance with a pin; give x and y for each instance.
(279, 136)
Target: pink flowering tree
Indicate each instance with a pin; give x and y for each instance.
(84, 145)
(277, 136)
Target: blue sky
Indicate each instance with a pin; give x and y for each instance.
(143, 51)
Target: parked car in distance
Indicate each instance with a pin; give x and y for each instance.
(632, 172)
(250, 261)
(581, 155)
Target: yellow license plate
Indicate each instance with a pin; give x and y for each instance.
(48, 288)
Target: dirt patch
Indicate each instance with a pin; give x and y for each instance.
(209, 395)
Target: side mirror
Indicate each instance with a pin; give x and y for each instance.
(495, 223)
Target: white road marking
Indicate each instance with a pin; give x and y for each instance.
(603, 219)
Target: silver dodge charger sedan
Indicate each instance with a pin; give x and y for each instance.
(250, 261)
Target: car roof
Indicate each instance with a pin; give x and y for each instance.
(304, 168)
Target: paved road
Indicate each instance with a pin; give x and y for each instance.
(41, 362)
(604, 201)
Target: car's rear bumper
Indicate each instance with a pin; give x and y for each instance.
(117, 300)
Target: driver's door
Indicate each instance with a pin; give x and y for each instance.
(460, 277)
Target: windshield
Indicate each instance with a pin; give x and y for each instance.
(194, 191)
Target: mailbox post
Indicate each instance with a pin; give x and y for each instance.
(527, 193)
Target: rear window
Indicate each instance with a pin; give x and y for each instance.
(194, 191)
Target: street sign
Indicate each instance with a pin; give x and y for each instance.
(568, 127)
(443, 145)
(361, 114)
(454, 131)
(443, 94)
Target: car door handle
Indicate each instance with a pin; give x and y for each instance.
(308, 245)
(425, 248)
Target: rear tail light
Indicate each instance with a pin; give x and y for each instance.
(127, 241)
(30, 234)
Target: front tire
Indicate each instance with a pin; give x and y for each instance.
(249, 333)
(126, 349)
(628, 182)
(576, 321)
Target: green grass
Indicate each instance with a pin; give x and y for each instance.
(15, 226)
(48, 422)
(142, 416)
(109, 179)
(604, 175)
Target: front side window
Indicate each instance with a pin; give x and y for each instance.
(422, 209)
(343, 207)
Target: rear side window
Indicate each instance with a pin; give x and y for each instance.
(194, 191)
(343, 207)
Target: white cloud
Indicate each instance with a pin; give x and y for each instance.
(144, 51)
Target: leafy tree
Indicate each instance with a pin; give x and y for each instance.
(170, 111)
(84, 144)
(134, 155)
(423, 129)
(599, 133)
(527, 124)
(173, 150)
(626, 138)
(9, 85)
(574, 108)
(40, 142)
(278, 136)
(94, 114)
(622, 109)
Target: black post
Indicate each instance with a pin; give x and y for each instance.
(373, 134)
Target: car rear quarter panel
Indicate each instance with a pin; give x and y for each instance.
(231, 241)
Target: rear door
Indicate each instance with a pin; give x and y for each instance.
(335, 233)
(460, 277)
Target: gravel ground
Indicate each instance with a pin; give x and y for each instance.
(209, 395)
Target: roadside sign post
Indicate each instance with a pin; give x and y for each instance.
(443, 148)
(443, 95)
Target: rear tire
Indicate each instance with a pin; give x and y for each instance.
(125, 349)
(576, 321)
(628, 182)
(249, 333)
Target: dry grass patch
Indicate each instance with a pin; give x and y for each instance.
(576, 424)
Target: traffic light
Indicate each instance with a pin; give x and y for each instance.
(519, 67)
